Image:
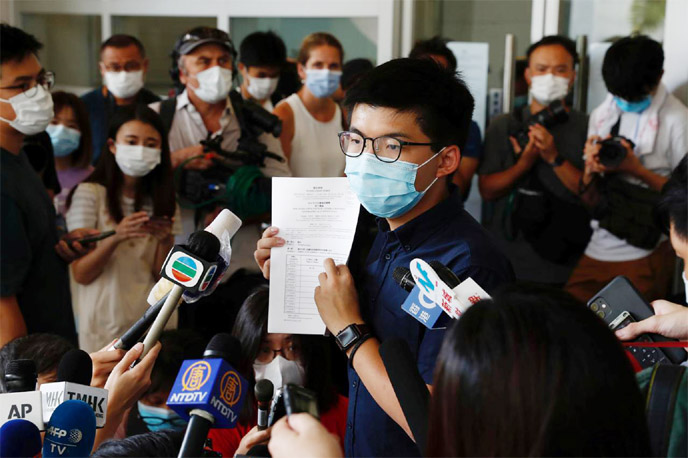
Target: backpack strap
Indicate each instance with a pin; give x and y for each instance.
(660, 402)
(167, 109)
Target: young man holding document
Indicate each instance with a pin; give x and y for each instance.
(409, 121)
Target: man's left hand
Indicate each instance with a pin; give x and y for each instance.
(74, 250)
(544, 142)
(631, 164)
(336, 297)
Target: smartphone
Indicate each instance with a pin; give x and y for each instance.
(619, 296)
(159, 220)
(298, 399)
(93, 238)
(646, 356)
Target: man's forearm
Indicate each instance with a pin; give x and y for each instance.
(495, 185)
(569, 176)
(12, 324)
(371, 370)
(654, 181)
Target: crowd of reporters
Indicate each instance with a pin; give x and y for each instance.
(530, 371)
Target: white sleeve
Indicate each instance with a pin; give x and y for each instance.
(83, 212)
(592, 122)
(273, 167)
(679, 144)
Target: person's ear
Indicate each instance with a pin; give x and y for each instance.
(183, 77)
(573, 79)
(302, 71)
(111, 145)
(528, 76)
(449, 160)
(101, 67)
(145, 66)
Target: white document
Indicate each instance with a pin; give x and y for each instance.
(317, 217)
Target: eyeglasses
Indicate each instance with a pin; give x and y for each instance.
(267, 354)
(45, 79)
(157, 421)
(385, 148)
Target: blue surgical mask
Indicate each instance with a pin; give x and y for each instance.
(159, 418)
(65, 140)
(322, 83)
(387, 190)
(633, 107)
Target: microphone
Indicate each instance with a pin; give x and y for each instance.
(264, 390)
(403, 277)
(445, 273)
(22, 400)
(19, 438)
(208, 392)
(71, 431)
(73, 380)
(189, 267)
(409, 387)
(467, 292)
(138, 329)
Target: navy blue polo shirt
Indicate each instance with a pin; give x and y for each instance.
(446, 233)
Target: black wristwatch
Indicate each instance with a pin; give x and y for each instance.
(557, 161)
(350, 335)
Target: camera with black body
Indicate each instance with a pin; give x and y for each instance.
(553, 114)
(612, 151)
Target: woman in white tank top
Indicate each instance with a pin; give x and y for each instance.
(310, 118)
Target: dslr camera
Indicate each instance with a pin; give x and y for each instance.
(550, 116)
(612, 151)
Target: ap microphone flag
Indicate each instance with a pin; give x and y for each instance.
(71, 430)
(211, 385)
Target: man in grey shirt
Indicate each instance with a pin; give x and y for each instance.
(531, 190)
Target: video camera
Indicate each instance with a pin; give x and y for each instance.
(612, 151)
(550, 116)
(235, 179)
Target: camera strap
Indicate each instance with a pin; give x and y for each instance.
(615, 128)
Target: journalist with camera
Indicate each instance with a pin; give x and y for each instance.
(531, 167)
(635, 138)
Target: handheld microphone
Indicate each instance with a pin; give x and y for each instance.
(403, 277)
(19, 438)
(138, 329)
(445, 274)
(73, 380)
(467, 292)
(264, 390)
(208, 392)
(409, 387)
(22, 400)
(190, 267)
(71, 431)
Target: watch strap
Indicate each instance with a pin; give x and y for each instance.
(559, 160)
(350, 335)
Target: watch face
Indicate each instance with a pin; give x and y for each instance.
(346, 337)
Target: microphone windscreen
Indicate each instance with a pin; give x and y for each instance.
(75, 367)
(205, 245)
(445, 274)
(19, 438)
(71, 430)
(409, 387)
(264, 390)
(20, 375)
(224, 346)
(260, 450)
(402, 276)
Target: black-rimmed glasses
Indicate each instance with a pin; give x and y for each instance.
(46, 79)
(385, 148)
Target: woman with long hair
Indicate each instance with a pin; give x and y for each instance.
(130, 192)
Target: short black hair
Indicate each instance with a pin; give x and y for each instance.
(15, 44)
(633, 66)
(177, 345)
(568, 44)
(121, 40)
(672, 208)
(154, 444)
(438, 96)
(435, 46)
(263, 49)
(46, 350)
(353, 70)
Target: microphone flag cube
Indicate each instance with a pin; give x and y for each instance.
(187, 270)
(54, 394)
(422, 308)
(25, 405)
(212, 385)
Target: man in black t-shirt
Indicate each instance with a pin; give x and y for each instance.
(34, 285)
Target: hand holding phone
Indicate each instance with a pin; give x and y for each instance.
(92, 238)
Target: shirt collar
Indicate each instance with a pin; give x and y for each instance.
(415, 232)
(183, 101)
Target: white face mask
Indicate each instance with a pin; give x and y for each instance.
(261, 88)
(33, 114)
(136, 160)
(280, 371)
(124, 84)
(548, 88)
(213, 84)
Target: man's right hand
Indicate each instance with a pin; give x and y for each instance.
(670, 320)
(263, 247)
(181, 155)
